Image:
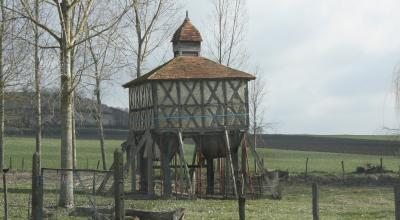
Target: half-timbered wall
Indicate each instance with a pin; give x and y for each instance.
(141, 107)
(202, 104)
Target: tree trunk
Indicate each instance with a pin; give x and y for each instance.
(139, 58)
(1, 87)
(37, 86)
(75, 162)
(1, 121)
(100, 120)
(66, 187)
(255, 138)
(67, 181)
(254, 104)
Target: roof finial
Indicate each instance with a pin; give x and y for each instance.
(187, 15)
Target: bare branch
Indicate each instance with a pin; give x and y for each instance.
(29, 16)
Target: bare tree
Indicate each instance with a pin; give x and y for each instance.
(257, 93)
(67, 38)
(37, 83)
(152, 21)
(396, 86)
(12, 59)
(229, 21)
(106, 61)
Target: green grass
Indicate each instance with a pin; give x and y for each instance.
(347, 203)
(89, 151)
(336, 202)
(22, 148)
(295, 161)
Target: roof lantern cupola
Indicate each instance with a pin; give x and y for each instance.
(187, 39)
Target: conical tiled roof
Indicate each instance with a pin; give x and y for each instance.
(187, 32)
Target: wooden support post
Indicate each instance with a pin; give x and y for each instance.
(235, 164)
(255, 165)
(194, 181)
(143, 171)
(221, 175)
(305, 173)
(199, 174)
(133, 172)
(180, 175)
(119, 185)
(397, 201)
(23, 164)
(184, 164)
(195, 153)
(229, 157)
(126, 167)
(176, 175)
(210, 176)
(315, 205)
(131, 157)
(37, 202)
(262, 162)
(244, 164)
(166, 171)
(226, 174)
(150, 171)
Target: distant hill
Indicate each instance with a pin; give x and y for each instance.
(20, 112)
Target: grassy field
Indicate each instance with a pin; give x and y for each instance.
(88, 151)
(347, 203)
(294, 161)
(22, 148)
(336, 202)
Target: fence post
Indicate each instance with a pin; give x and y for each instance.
(397, 201)
(119, 184)
(315, 206)
(305, 173)
(11, 165)
(343, 170)
(37, 205)
(5, 193)
(23, 164)
(241, 200)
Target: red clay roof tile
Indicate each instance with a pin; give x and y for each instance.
(191, 67)
(187, 32)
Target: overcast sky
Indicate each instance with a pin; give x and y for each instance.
(328, 65)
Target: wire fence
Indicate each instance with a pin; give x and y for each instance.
(86, 194)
